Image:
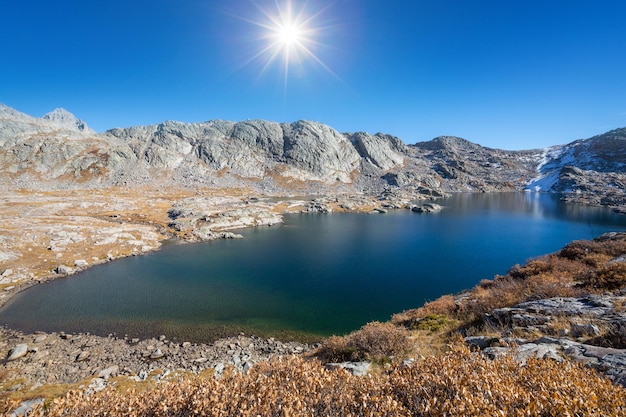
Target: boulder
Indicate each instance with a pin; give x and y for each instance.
(63, 270)
(355, 368)
(108, 372)
(427, 208)
(17, 352)
(156, 354)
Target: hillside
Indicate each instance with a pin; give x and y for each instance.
(60, 151)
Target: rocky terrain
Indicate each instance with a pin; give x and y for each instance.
(59, 151)
(59, 358)
(563, 327)
(73, 198)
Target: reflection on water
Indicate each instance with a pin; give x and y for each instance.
(315, 275)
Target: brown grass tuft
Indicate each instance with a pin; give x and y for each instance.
(457, 383)
(375, 341)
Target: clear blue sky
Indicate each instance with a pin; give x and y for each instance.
(506, 74)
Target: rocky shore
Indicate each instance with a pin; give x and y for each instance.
(54, 234)
(583, 329)
(92, 361)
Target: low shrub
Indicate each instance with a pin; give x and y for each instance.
(610, 277)
(375, 341)
(457, 383)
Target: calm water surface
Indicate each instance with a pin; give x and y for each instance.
(315, 275)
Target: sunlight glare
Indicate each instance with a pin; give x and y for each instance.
(289, 36)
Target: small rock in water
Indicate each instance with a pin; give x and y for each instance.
(355, 368)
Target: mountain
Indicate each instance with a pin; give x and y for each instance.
(59, 150)
(65, 119)
(602, 154)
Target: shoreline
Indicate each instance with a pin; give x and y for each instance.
(76, 358)
(55, 357)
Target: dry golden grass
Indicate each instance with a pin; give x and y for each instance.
(380, 342)
(457, 383)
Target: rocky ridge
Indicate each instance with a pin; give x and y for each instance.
(60, 151)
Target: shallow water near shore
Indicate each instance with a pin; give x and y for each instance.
(316, 275)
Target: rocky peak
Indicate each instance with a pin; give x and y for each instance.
(8, 113)
(449, 143)
(65, 119)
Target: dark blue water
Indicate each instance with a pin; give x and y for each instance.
(315, 275)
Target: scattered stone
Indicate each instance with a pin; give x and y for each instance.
(40, 338)
(63, 270)
(108, 372)
(83, 355)
(355, 368)
(79, 263)
(581, 330)
(26, 407)
(97, 384)
(17, 352)
(219, 368)
(247, 365)
(156, 354)
(482, 342)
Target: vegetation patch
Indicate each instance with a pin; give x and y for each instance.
(582, 267)
(380, 342)
(457, 383)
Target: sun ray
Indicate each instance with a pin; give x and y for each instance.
(290, 37)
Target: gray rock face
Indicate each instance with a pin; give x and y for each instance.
(574, 327)
(59, 150)
(383, 151)
(67, 120)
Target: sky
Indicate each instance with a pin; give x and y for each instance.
(504, 74)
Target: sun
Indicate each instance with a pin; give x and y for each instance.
(288, 35)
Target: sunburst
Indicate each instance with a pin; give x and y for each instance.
(289, 35)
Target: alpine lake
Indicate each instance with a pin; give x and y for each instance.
(311, 277)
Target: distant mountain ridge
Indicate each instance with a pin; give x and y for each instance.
(59, 150)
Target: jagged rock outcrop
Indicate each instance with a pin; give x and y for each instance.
(590, 329)
(59, 150)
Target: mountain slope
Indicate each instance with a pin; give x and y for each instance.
(59, 150)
